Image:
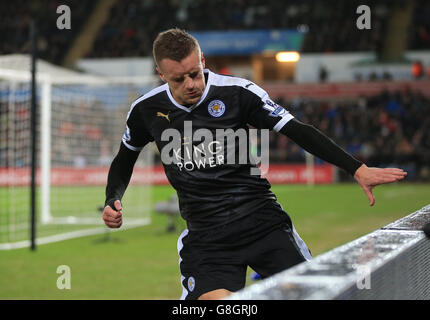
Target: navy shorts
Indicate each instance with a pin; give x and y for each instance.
(218, 258)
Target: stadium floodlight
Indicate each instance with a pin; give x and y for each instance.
(80, 124)
(287, 56)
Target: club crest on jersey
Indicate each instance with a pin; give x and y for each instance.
(216, 108)
(191, 283)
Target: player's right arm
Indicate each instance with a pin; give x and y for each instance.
(135, 137)
(119, 177)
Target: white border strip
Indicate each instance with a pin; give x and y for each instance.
(71, 235)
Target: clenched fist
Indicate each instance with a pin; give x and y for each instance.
(111, 217)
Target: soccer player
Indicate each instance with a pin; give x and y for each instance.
(233, 219)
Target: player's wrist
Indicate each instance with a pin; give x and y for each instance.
(355, 167)
(360, 171)
(111, 203)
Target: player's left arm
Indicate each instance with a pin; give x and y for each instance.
(317, 143)
(262, 112)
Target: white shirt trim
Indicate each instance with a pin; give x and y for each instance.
(283, 122)
(180, 245)
(130, 146)
(203, 97)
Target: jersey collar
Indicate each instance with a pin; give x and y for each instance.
(203, 97)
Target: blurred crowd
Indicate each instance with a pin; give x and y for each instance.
(53, 43)
(330, 26)
(390, 129)
(419, 30)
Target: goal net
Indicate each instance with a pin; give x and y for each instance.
(80, 122)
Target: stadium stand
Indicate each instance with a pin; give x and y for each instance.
(53, 43)
(124, 35)
(392, 124)
(389, 129)
(419, 32)
(132, 25)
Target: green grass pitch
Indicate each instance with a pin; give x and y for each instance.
(142, 263)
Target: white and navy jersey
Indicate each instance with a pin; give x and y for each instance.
(211, 190)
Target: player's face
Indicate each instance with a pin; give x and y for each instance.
(185, 78)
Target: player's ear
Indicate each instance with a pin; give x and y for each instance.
(203, 60)
(160, 74)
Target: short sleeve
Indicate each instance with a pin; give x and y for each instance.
(136, 134)
(261, 111)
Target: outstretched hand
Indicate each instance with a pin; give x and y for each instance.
(368, 178)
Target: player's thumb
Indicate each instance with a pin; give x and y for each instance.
(369, 194)
(117, 205)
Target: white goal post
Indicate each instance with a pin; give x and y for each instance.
(80, 124)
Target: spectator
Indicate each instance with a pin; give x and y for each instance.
(417, 70)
